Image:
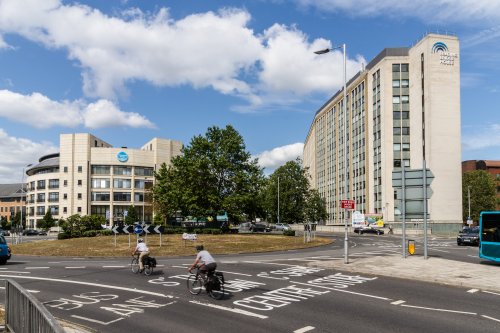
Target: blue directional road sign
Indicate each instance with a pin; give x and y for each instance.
(138, 229)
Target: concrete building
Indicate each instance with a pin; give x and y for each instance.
(402, 108)
(491, 167)
(90, 177)
(12, 200)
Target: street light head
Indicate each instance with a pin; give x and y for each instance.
(322, 51)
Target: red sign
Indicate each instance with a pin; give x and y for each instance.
(347, 204)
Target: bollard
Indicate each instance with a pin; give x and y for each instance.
(411, 246)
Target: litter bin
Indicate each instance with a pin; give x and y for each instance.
(411, 246)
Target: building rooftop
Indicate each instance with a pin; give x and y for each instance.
(12, 190)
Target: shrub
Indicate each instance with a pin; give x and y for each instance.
(63, 235)
(89, 233)
(169, 231)
(289, 232)
(105, 232)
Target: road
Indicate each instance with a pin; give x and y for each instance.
(268, 292)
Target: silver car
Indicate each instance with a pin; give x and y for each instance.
(282, 227)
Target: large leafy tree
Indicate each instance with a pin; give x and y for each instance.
(482, 193)
(132, 216)
(47, 221)
(293, 192)
(215, 173)
(315, 207)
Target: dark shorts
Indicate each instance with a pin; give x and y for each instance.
(210, 268)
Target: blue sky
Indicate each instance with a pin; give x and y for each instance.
(128, 71)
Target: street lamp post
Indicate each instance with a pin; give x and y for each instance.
(22, 191)
(346, 236)
(468, 196)
(278, 199)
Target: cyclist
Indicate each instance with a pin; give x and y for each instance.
(143, 251)
(204, 261)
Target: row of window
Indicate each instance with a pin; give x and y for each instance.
(120, 183)
(121, 170)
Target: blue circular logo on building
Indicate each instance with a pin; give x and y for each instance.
(122, 156)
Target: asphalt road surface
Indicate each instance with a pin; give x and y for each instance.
(268, 292)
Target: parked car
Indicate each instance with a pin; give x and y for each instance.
(253, 227)
(30, 232)
(369, 230)
(468, 236)
(4, 232)
(4, 251)
(42, 233)
(282, 227)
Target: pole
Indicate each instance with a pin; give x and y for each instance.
(346, 238)
(425, 209)
(403, 193)
(278, 199)
(468, 196)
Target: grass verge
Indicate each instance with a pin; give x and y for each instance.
(171, 245)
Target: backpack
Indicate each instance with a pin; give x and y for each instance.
(150, 261)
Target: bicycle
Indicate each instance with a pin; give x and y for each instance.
(148, 262)
(213, 283)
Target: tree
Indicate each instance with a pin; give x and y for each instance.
(215, 173)
(3, 222)
(293, 191)
(132, 216)
(47, 221)
(482, 193)
(315, 207)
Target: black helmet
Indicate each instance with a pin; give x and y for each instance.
(199, 248)
(140, 240)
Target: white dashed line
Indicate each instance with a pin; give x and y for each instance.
(75, 267)
(490, 292)
(304, 329)
(398, 302)
(114, 266)
(36, 267)
(236, 273)
(439, 310)
(491, 318)
(472, 291)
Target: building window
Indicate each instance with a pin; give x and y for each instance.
(405, 115)
(100, 183)
(65, 209)
(53, 183)
(396, 130)
(396, 67)
(404, 67)
(406, 163)
(40, 197)
(40, 210)
(122, 183)
(80, 169)
(54, 210)
(406, 147)
(79, 209)
(396, 147)
(65, 196)
(395, 83)
(100, 170)
(405, 83)
(122, 196)
(53, 196)
(405, 99)
(79, 196)
(100, 196)
(79, 182)
(65, 169)
(65, 183)
(397, 163)
(40, 185)
(405, 130)
(143, 171)
(123, 171)
(396, 99)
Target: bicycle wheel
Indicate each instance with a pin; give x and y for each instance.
(148, 270)
(217, 290)
(194, 284)
(135, 265)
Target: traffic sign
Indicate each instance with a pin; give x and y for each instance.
(347, 204)
(138, 229)
(152, 229)
(125, 229)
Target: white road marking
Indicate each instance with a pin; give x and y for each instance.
(343, 291)
(398, 302)
(97, 321)
(440, 310)
(268, 263)
(304, 329)
(98, 285)
(491, 318)
(235, 310)
(53, 262)
(229, 262)
(33, 267)
(114, 266)
(472, 291)
(179, 266)
(72, 267)
(490, 292)
(16, 272)
(31, 291)
(236, 273)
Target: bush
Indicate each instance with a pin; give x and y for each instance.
(289, 232)
(169, 231)
(63, 235)
(89, 233)
(105, 232)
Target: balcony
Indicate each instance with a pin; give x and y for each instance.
(53, 199)
(40, 187)
(53, 186)
(40, 200)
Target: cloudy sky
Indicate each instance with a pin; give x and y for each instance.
(128, 71)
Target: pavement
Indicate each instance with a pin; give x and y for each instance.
(484, 275)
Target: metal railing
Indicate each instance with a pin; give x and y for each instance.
(24, 313)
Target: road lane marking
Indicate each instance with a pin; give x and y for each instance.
(31, 291)
(36, 267)
(179, 266)
(114, 266)
(398, 302)
(304, 329)
(17, 272)
(490, 292)
(344, 291)
(97, 321)
(243, 274)
(235, 310)
(73, 267)
(98, 285)
(437, 309)
(491, 318)
(472, 291)
(268, 263)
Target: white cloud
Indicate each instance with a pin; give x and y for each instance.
(488, 137)
(17, 153)
(272, 159)
(39, 111)
(435, 11)
(115, 50)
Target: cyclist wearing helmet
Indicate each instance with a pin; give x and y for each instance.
(143, 251)
(204, 261)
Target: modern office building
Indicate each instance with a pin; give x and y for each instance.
(402, 108)
(491, 167)
(90, 177)
(12, 200)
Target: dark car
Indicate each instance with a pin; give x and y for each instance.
(369, 230)
(468, 236)
(30, 232)
(4, 232)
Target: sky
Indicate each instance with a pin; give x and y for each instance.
(131, 70)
